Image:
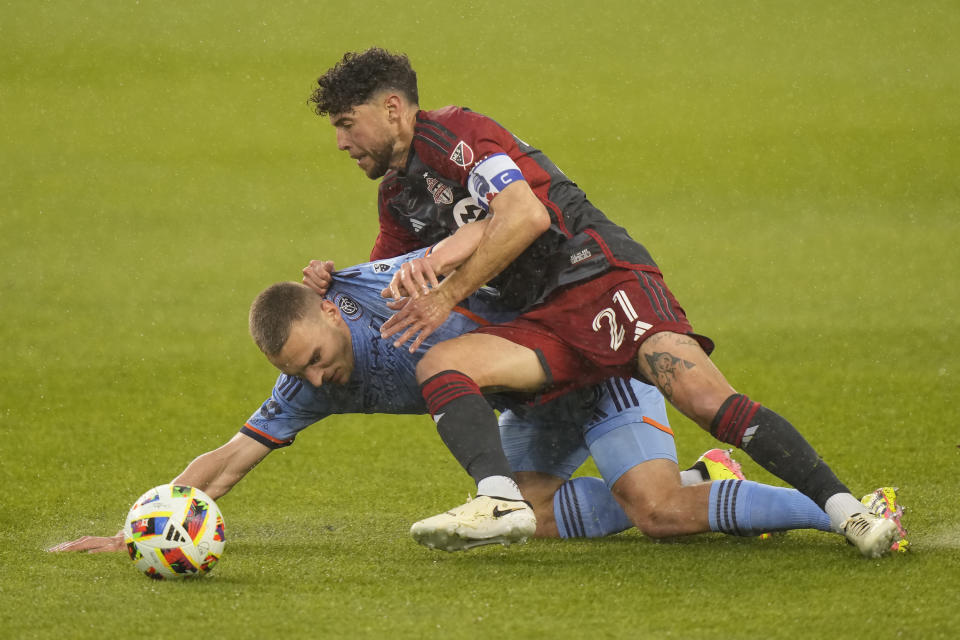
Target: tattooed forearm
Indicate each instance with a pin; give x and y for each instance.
(664, 368)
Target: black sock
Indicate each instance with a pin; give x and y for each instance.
(777, 446)
(700, 467)
(466, 424)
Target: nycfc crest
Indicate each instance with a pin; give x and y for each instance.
(349, 308)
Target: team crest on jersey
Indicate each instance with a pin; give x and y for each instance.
(381, 267)
(270, 409)
(467, 211)
(349, 308)
(442, 194)
(462, 155)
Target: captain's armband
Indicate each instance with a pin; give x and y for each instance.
(490, 176)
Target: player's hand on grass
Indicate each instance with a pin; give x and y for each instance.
(91, 544)
(413, 279)
(418, 318)
(317, 275)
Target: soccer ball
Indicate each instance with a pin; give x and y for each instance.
(174, 531)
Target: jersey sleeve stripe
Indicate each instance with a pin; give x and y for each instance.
(263, 438)
(292, 385)
(444, 150)
(428, 132)
(441, 130)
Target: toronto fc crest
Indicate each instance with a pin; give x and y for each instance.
(442, 194)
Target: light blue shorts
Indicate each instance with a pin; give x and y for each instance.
(620, 422)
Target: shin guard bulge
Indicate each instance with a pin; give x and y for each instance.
(775, 445)
(466, 424)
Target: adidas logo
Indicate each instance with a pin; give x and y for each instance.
(640, 329)
(173, 534)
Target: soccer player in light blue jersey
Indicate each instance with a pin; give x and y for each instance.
(334, 361)
(623, 423)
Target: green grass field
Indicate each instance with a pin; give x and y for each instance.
(792, 166)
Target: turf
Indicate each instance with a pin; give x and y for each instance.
(793, 168)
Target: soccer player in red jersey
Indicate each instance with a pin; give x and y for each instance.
(593, 301)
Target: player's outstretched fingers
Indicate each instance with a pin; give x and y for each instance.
(396, 323)
(70, 545)
(110, 544)
(86, 543)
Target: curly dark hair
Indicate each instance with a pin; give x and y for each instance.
(358, 76)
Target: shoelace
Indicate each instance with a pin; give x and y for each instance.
(858, 523)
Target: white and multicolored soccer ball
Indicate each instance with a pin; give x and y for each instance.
(174, 531)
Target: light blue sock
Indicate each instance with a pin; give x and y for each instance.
(745, 508)
(585, 508)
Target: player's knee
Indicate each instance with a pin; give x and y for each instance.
(433, 362)
(703, 408)
(649, 512)
(700, 403)
(654, 521)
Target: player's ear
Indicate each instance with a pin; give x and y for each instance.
(393, 105)
(329, 310)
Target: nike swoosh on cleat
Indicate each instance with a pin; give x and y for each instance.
(497, 513)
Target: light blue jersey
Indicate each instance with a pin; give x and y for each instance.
(619, 421)
(383, 379)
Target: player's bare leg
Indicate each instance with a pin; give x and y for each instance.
(658, 505)
(538, 489)
(650, 494)
(687, 378)
(685, 375)
(491, 361)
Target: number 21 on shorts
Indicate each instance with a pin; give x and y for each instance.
(617, 332)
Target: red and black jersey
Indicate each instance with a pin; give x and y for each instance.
(443, 187)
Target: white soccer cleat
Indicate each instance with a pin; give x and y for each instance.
(483, 520)
(871, 534)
